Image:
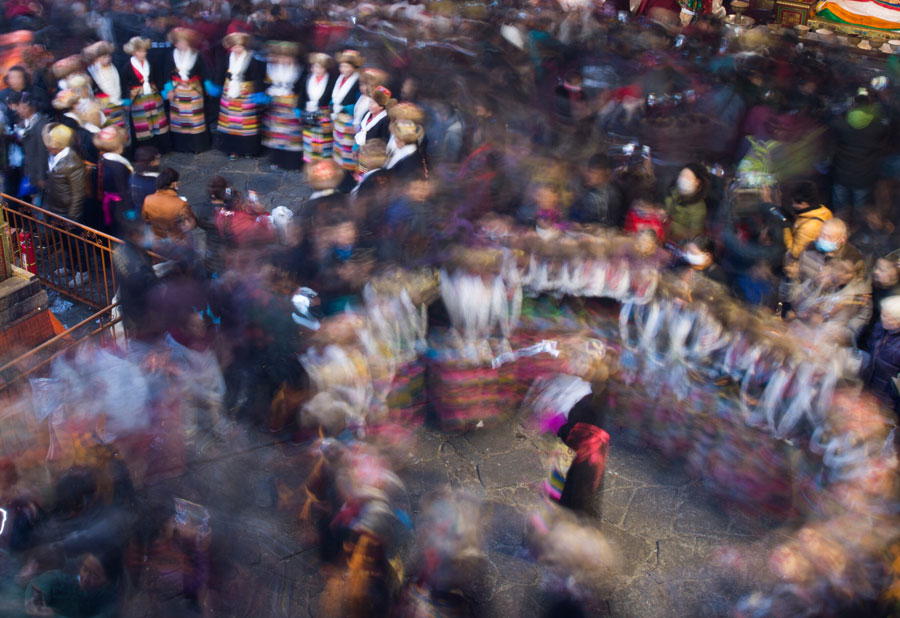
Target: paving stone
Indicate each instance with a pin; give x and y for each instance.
(695, 517)
(612, 504)
(651, 512)
(510, 469)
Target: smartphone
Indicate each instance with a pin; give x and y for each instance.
(622, 16)
(679, 41)
(645, 152)
(628, 149)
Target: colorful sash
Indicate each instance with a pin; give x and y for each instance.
(186, 110)
(238, 116)
(281, 127)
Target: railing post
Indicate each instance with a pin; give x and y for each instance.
(6, 254)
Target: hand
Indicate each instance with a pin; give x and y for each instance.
(171, 96)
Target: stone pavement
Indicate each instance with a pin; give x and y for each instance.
(666, 529)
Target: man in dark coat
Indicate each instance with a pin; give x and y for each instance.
(28, 131)
(884, 366)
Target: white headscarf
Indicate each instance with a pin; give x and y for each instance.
(237, 64)
(143, 68)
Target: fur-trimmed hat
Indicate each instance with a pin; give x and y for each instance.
(68, 65)
(110, 139)
(289, 49)
(382, 96)
(56, 136)
(191, 36)
(372, 154)
(407, 111)
(406, 131)
(135, 44)
(373, 77)
(90, 113)
(324, 174)
(236, 36)
(321, 59)
(97, 50)
(350, 56)
(79, 83)
(65, 100)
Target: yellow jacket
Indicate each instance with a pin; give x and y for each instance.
(806, 229)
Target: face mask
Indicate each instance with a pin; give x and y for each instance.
(826, 246)
(695, 259)
(686, 185)
(342, 254)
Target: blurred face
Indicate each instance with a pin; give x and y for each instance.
(91, 575)
(687, 182)
(237, 50)
(645, 243)
(831, 239)
(140, 55)
(597, 176)
(375, 108)
(344, 235)
(182, 45)
(696, 257)
(408, 89)
(885, 274)
(16, 80)
(318, 70)
(105, 61)
(890, 322)
(346, 69)
(546, 198)
(418, 190)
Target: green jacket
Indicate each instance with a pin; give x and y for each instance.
(686, 220)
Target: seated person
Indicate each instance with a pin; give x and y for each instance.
(602, 202)
(698, 253)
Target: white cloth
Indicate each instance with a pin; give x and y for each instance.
(341, 89)
(400, 154)
(112, 156)
(58, 157)
(143, 69)
(107, 79)
(237, 65)
(360, 110)
(367, 123)
(315, 90)
(282, 77)
(322, 193)
(184, 62)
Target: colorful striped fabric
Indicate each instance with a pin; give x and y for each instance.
(148, 114)
(318, 141)
(239, 116)
(281, 127)
(867, 13)
(186, 111)
(344, 141)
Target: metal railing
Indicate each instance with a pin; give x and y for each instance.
(98, 329)
(66, 256)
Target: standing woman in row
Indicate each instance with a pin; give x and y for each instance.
(241, 77)
(343, 101)
(106, 83)
(369, 79)
(149, 124)
(187, 73)
(282, 129)
(315, 98)
(114, 177)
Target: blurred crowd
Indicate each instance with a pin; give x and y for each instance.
(460, 157)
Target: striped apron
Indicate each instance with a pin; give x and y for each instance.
(186, 110)
(344, 133)
(318, 140)
(238, 116)
(281, 127)
(148, 114)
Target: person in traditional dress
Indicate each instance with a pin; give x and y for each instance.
(114, 174)
(407, 111)
(241, 76)
(369, 79)
(106, 82)
(282, 129)
(315, 100)
(343, 102)
(187, 73)
(149, 124)
(405, 162)
(376, 123)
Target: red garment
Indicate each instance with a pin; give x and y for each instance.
(243, 228)
(637, 220)
(591, 445)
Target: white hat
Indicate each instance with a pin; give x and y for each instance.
(513, 35)
(890, 307)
